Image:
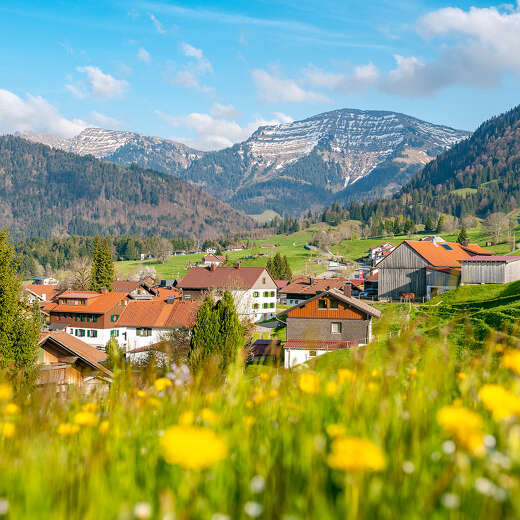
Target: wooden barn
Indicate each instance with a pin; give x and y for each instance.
(424, 268)
(490, 269)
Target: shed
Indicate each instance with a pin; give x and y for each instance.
(490, 269)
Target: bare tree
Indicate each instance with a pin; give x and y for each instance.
(496, 224)
(164, 250)
(147, 272)
(77, 276)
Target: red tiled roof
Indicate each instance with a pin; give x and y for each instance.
(373, 278)
(213, 258)
(50, 291)
(125, 286)
(491, 258)
(159, 314)
(443, 254)
(96, 302)
(303, 286)
(221, 277)
(357, 283)
(281, 283)
(318, 344)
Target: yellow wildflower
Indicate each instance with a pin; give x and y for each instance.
(273, 394)
(309, 383)
(162, 384)
(104, 427)
(6, 392)
(461, 376)
(355, 454)
(66, 429)
(210, 397)
(331, 388)
(11, 409)
(89, 407)
(186, 418)
(336, 430)
(499, 348)
(141, 393)
(511, 360)
(259, 398)
(208, 416)
(465, 425)
(345, 375)
(412, 371)
(192, 447)
(249, 404)
(375, 373)
(249, 420)
(7, 429)
(372, 386)
(153, 402)
(264, 376)
(500, 401)
(85, 419)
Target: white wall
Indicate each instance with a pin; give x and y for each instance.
(245, 300)
(103, 336)
(132, 340)
(294, 357)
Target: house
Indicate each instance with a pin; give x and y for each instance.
(266, 350)
(377, 253)
(332, 320)
(88, 315)
(213, 260)
(235, 247)
(144, 323)
(267, 246)
(490, 269)
(211, 250)
(303, 288)
(65, 360)
(253, 289)
(425, 268)
(44, 280)
(42, 293)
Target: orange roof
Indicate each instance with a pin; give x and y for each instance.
(444, 254)
(159, 314)
(164, 294)
(125, 286)
(95, 302)
(310, 287)
(221, 277)
(50, 291)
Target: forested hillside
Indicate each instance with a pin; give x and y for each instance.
(478, 176)
(48, 192)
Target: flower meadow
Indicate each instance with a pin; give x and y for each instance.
(409, 427)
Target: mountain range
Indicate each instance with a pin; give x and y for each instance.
(341, 155)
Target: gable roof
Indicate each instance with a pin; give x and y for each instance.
(159, 314)
(310, 287)
(90, 355)
(213, 258)
(222, 277)
(50, 291)
(339, 295)
(96, 302)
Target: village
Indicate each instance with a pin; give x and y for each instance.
(293, 321)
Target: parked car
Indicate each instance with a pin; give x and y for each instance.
(369, 293)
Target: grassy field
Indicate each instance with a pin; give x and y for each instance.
(409, 427)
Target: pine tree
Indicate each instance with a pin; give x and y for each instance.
(277, 266)
(19, 323)
(428, 226)
(102, 274)
(440, 224)
(205, 334)
(107, 266)
(231, 337)
(286, 270)
(95, 275)
(463, 235)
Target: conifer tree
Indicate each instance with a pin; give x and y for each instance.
(286, 269)
(95, 275)
(102, 274)
(231, 337)
(19, 323)
(428, 225)
(204, 336)
(440, 224)
(107, 266)
(463, 235)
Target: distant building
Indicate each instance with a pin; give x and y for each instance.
(332, 320)
(213, 260)
(42, 293)
(44, 280)
(266, 351)
(267, 246)
(303, 288)
(490, 269)
(253, 289)
(377, 253)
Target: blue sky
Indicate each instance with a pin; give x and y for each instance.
(209, 73)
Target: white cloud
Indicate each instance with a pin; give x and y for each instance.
(103, 85)
(228, 111)
(157, 24)
(283, 118)
(143, 55)
(273, 88)
(76, 91)
(189, 75)
(104, 121)
(36, 114)
(362, 78)
(191, 51)
(213, 133)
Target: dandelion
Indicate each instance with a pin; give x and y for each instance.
(336, 430)
(511, 360)
(67, 429)
(264, 376)
(408, 467)
(412, 371)
(465, 425)
(309, 383)
(153, 402)
(499, 401)
(4, 506)
(208, 416)
(372, 386)
(273, 394)
(11, 409)
(85, 419)
(186, 418)
(258, 398)
(253, 509)
(356, 454)
(104, 427)
(6, 392)
(7, 429)
(141, 393)
(143, 511)
(345, 375)
(89, 407)
(257, 484)
(249, 420)
(192, 447)
(450, 500)
(162, 384)
(461, 375)
(375, 373)
(331, 388)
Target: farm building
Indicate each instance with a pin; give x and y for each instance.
(332, 320)
(424, 268)
(490, 269)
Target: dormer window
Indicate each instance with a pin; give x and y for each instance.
(322, 304)
(333, 304)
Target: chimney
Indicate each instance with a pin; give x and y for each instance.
(212, 267)
(311, 280)
(104, 290)
(237, 265)
(347, 289)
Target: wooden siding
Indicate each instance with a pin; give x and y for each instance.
(306, 329)
(403, 270)
(103, 322)
(311, 310)
(490, 272)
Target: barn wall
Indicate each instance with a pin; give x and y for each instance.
(320, 329)
(483, 272)
(513, 271)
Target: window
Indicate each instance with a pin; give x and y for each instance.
(94, 319)
(335, 327)
(256, 306)
(333, 304)
(263, 281)
(272, 294)
(256, 294)
(322, 304)
(92, 333)
(80, 333)
(265, 305)
(114, 317)
(76, 318)
(271, 305)
(266, 294)
(82, 317)
(312, 353)
(143, 331)
(447, 247)
(114, 333)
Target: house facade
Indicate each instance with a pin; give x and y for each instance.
(424, 268)
(253, 289)
(332, 320)
(490, 269)
(212, 259)
(303, 288)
